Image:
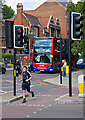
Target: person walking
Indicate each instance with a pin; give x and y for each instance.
(18, 66)
(64, 64)
(6, 63)
(26, 77)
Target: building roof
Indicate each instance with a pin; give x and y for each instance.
(63, 3)
(7, 20)
(44, 21)
(32, 19)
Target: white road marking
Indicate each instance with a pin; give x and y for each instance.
(34, 112)
(60, 97)
(27, 116)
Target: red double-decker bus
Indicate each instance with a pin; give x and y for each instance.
(46, 54)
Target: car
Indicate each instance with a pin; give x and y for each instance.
(2, 69)
(80, 63)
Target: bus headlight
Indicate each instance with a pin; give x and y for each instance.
(49, 66)
(34, 66)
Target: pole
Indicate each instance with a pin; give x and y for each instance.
(60, 61)
(29, 47)
(70, 84)
(14, 58)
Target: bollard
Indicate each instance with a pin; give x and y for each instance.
(67, 69)
(81, 87)
(62, 69)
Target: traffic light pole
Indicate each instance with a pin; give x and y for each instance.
(14, 58)
(70, 82)
(60, 62)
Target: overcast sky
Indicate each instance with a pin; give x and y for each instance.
(28, 4)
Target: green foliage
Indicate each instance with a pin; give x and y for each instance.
(79, 46)
(9, 57)
(7, 12)
(71, 7)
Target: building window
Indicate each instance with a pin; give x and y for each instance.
(52, 32)
(58, 33)
(35, 32)
(26, 30)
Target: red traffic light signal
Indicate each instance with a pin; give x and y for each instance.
(18, 36)
(76, 26)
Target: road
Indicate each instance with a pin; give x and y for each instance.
(43, 105)
(36, 84)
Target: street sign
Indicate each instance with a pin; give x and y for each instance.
(23, 57)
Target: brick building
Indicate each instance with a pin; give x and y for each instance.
(40, 25)
(56, 10)
(49, 19)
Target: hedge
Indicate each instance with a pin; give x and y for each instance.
(9, 57)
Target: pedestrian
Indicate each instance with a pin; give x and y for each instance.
(29, 67)
(18, 66)
(26, 77)
(6, 63)
(64, 64)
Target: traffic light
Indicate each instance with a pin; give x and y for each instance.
(76, 26)
(9, 34)
(26, 44)
(63, 45)
(18, 36)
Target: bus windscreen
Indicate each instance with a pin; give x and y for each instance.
(42, 58)
(42, 50)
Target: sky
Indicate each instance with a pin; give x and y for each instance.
(28, 4)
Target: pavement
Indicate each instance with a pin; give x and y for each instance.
(64, 99)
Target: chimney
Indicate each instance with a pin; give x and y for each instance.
(19, 8)
(19, 13)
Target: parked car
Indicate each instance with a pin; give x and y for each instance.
(80, 63)
(2, 69)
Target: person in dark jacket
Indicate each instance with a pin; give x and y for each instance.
(26, 77)
(6, 63)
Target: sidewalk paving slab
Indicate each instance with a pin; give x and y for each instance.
(74, 99)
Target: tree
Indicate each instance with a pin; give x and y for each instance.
(7, 12)
(79, 46)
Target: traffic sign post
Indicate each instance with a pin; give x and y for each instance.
(60, 61)
(70, 82)
(14, 58)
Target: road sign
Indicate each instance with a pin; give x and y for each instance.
(23, 57)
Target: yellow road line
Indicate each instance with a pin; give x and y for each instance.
(5, 92)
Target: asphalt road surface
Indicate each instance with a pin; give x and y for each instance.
(43, 105)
